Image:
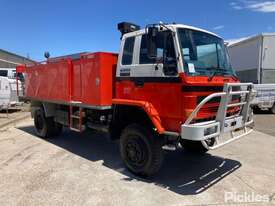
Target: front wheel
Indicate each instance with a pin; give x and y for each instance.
(141, 150)
(272, 109)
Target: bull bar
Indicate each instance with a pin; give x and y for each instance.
(223, 123)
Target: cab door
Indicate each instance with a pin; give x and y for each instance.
(145, 66)
(151, 79)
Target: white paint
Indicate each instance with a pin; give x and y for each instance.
(8, 92)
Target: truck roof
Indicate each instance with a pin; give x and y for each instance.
(250, 38)
(172, 26)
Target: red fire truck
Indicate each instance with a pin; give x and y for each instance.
(170, 84)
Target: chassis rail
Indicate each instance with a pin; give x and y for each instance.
(204, 131)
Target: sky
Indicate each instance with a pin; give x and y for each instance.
(31, 27)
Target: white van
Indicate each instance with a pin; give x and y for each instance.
(11, 73)
(253, 60)
(8, 92)
(8, 72)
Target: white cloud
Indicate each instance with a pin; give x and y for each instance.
(236, 6)
(218, 27)
(258, 6)
(266, 7)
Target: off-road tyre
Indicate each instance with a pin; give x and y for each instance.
(46, 127)
(141, 150)
(272, 109)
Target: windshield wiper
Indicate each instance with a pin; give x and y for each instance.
(235, 77)
(221, 71)
(215, 73)
(230, 73)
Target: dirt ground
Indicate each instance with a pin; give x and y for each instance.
(87, 170)
(13, 114)
(265, 122)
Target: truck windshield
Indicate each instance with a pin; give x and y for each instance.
(204, 54)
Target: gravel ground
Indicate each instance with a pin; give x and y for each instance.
(87, 170)
(13, 114)
(265, 122)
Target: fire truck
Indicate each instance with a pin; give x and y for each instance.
(170, 86)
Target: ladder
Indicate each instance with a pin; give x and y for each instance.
(75, 118)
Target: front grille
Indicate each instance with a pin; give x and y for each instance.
(213, 109)
(210, 112)
(203, 120)
(210, 109)
(216, 99)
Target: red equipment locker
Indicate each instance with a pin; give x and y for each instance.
(87, 80)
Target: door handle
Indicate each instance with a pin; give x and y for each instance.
(139, 83)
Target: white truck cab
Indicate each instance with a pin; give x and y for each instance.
(171, 55)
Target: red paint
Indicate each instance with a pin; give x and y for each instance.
(169, 100)
(91, 81)
(147, 107)
(88, 80)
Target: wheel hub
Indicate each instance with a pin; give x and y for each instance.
(135, 152)
(39, 122)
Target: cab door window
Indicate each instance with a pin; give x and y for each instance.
(169, 55)
(128, 49)
(143, 56)
(165, 52)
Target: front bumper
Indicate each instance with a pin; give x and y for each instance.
(222, 124)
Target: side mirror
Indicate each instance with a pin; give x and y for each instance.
(152, 42)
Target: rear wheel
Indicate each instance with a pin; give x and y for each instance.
(196, 146)
(46, 127)
(257, 110)
(272, 109)
(141, 150)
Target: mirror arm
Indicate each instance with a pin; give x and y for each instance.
(178, 57)
(173, 32)
(159, 24)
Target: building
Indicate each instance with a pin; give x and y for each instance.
(10, 60)
(253, 58)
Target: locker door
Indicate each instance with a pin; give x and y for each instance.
(77, 93)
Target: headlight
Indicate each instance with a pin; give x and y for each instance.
(210, 130)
